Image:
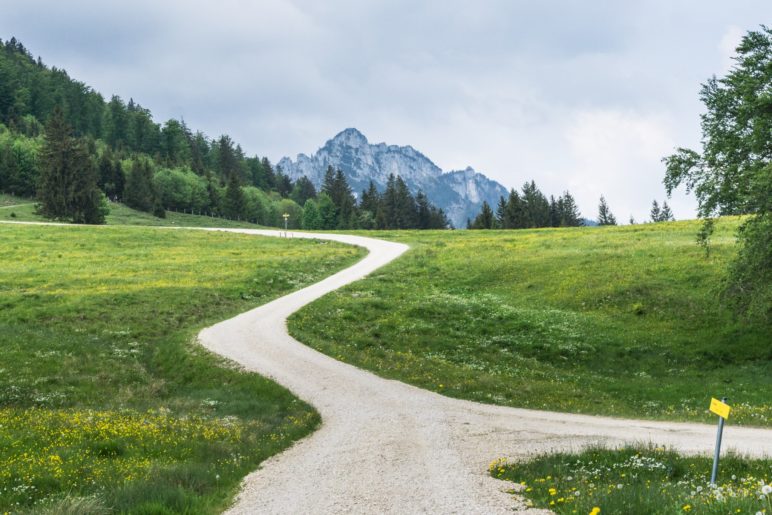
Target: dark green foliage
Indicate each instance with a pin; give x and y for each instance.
(311, 218)
(371, 199)
(661, 214)
(532, 209)
(396, 208)
(226, 158)
(327, 212)
(303, 190)
(536, 206)
(284, 184)
(732, 173)
(605, 216)
(568, 211)
(234, 205)
(111, 179)
(19, 163)
(749, 287)
(175, 143)
(139, 192)
(68, 181)
(484, 219)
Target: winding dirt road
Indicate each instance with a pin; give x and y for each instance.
(387, 447)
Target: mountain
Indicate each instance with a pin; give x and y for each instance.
(459, 193)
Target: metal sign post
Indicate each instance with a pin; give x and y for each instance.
(286, 217)
(721, 409)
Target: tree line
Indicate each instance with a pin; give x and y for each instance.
(56, 132)
(528, 208)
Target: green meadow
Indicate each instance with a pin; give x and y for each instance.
(107, 404)
(640, 480)
(619, 321)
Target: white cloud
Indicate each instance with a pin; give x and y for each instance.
(577, 95)
(729, 42)
(617, 154)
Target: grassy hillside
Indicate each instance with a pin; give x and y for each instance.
(616, 321)
(23, 209)
(105, 400)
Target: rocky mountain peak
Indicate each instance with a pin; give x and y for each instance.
(350, 137)
(459, 193)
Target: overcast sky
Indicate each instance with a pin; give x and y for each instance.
(578, 95)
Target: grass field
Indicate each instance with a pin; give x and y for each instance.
(23, 210)
(616, 321)
(106, 402)
(640, 480)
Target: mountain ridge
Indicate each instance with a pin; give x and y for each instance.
(460, 193)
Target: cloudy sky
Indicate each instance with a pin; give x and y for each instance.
(578, 95)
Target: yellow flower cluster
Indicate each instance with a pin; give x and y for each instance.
(46, 451)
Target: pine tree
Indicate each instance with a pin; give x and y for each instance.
(328, 183)
(68, 183)
(515, 214)
(568, 211)
(213, 194)
(226, 158)
(605, 217)
(406, 212)
(139, 192)
(387, 215)
(501, 213)
(485, 218)
(656, 213)
(89, 205)
(303, 190)
(234, 205)
(666, 215)
(423, 211)
(536, 206)
(344, 201)
(371, 199)
(269, 177)
(555, 209)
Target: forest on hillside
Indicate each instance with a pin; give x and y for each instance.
(64, 144)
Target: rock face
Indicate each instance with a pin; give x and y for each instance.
(459, 193)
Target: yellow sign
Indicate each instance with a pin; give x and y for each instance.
(719, 408)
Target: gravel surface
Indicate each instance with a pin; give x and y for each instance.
(387, 447)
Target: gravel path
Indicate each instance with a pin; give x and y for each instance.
(387, 447)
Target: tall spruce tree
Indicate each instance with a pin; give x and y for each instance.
(303, 190)
(139, 192)
(655, 212)
(568, 211)
(605, 217)
(666, 215)
(68, 182)
(371, 199)
(485, 219)
(234, 205)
